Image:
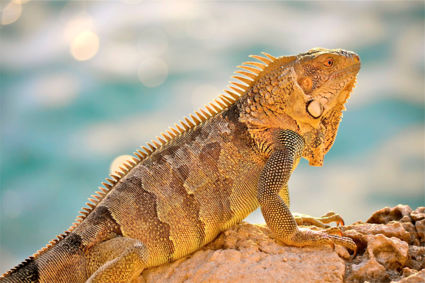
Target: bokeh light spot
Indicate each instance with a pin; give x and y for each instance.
(21, 2)
(11, 13)
(118, 161)
(76, 25)
(85, 45)
(153, 72)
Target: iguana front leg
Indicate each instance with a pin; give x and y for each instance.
(274, 177)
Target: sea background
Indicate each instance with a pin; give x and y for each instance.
(82, 82)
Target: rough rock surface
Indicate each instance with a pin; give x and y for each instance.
(391, 248)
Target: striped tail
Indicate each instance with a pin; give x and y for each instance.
(60, 261)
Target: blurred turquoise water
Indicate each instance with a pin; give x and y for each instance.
(64, 121)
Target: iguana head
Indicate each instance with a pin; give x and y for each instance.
(326, 77)
(305, 93)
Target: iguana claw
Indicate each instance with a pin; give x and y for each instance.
(304, 220)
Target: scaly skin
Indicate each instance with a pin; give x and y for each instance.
(237, 155)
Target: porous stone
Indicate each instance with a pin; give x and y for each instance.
(391, 248)
(247, 253)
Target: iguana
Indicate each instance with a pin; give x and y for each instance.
(208, 173)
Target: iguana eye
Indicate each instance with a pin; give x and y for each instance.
(329, 62)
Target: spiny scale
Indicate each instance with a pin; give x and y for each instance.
(205, 113)
(269, 56)
(247, 74)
(251, 69)
(242, 79)
(256, 64)
(213, 108)
(241, 86)
(264, 60)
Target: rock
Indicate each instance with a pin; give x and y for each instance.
(420, 229)
(416, 277)
(418, 214)
(247, 253)
(387, 214)
(383, 256)
(416, 258)
(391, 248)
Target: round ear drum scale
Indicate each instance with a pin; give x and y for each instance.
(314, 108)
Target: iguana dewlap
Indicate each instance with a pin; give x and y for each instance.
(209, 173)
